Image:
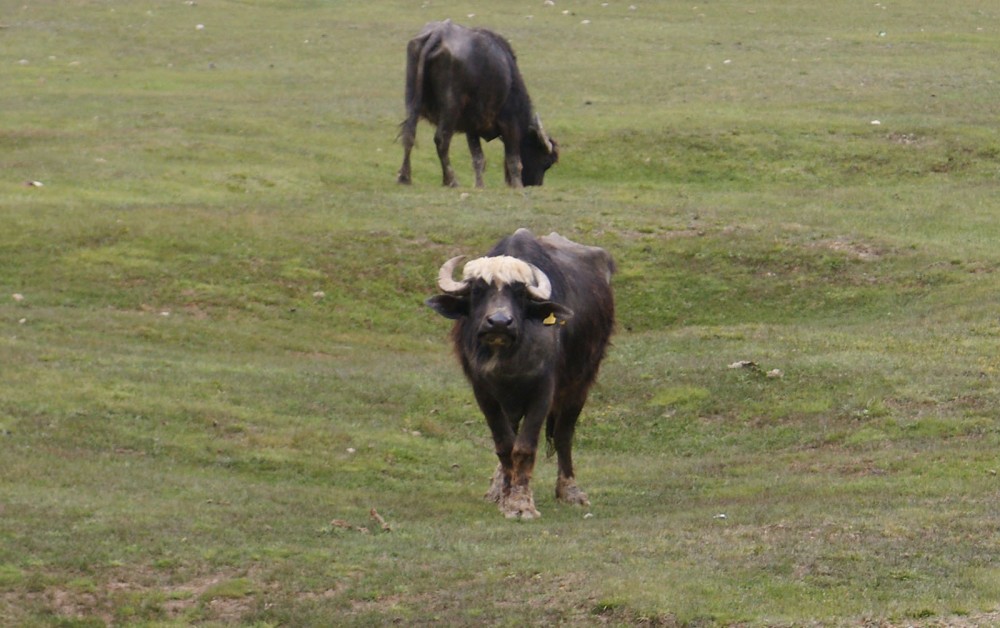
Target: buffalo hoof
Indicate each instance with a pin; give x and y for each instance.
(519, 504)
(403, 179)
(569, 493)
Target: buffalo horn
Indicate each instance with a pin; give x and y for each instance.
(542, 135)
(542, 289)
(446, 281)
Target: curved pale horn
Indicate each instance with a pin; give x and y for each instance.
(542, 135)
(446, 279)
(542, 289)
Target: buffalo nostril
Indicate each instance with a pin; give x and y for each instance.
(499, 320)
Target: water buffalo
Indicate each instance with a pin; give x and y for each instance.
(467, 80)
(532, 323)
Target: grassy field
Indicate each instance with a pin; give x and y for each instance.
(215, 361)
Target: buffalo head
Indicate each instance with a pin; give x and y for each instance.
(498, 298)
(539, 152)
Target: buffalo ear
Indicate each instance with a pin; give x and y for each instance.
(549, 312)
(449, 306)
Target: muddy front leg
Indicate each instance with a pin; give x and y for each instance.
(503, 443)
(497, 485)
(515, 501)
(520, 502)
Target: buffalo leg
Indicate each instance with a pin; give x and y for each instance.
(478, 158)
(503, 443)
(520, 502)
(497, 484)
(512, 163)
(565, 426)
(408, 135)
(515, 449)
(442, 139)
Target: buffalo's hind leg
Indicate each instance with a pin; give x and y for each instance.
(408, 134)
(564, 427)
(478, 158)
(442, 139)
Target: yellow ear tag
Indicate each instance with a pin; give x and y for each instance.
(551, 320)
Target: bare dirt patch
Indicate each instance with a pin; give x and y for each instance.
(105, 603)
(857, 250)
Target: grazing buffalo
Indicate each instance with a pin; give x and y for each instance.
(466, 80)
(532, 323)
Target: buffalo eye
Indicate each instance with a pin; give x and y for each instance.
(519, 295)
(479, 289)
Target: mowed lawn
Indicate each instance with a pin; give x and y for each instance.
(223, 402)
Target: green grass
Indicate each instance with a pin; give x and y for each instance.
(219, 361)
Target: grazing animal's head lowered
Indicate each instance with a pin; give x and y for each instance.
(532, 322)
(539, 152)
(466, 80)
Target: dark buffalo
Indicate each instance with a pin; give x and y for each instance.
(532, 322)
(466, 80)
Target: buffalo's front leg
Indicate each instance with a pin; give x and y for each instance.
(512, 162)
(496, 491)
(503, 443)
(510, 487)
(520, 501)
